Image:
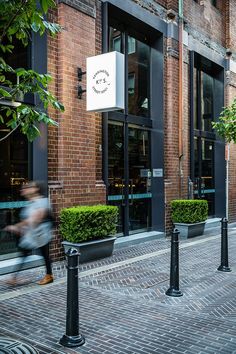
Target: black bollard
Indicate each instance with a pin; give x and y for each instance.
(224, 266)
(174, 266)
(72, 338)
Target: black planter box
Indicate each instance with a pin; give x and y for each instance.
(92, 250)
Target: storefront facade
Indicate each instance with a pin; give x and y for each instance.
(142, 157)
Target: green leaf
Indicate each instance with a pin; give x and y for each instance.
(35, 27)
(59, 106)
(30, 18)
(44, 5)
(4, 93)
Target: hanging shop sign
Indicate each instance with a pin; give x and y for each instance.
(105, 82)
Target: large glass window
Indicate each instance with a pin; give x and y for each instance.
(204, 137)
(14, 171)
(207, 112)
(20, 58)
(138, 56)
(129, 155)
(139, 68)
(14, 165)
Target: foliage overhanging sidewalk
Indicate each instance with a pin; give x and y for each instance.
(123, 306)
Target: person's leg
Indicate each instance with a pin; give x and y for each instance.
(48, 277)
(24, 254)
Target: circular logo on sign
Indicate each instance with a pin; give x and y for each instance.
(101, 81)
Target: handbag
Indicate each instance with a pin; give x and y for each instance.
(36, 237)
(28, 240)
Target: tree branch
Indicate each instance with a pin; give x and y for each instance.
(6, 136)
(23, 2)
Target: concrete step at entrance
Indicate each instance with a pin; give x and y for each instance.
(213, 222)
(135, 239)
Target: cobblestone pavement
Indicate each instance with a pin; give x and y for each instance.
(123, 306)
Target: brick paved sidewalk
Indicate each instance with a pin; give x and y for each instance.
(123, 306)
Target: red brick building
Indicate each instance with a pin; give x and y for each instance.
(180, 70)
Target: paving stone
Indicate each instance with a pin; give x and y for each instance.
(124, 309)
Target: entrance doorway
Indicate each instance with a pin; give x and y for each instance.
(129, 176)
(204, 181)
(207, 150)
(133, 138)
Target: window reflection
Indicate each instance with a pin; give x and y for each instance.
(139, 71)
(196, 125)
(14, 169)
(114, 40)
(18, 59)
(131, 45)
(138, 80)
(207, 101)
(116, 159)
(196, 158)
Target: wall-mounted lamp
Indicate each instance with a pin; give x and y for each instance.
(80, 90)
(80, 74)
(228, 52)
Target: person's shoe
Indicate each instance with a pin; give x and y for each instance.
(12, 281)
(46, 280)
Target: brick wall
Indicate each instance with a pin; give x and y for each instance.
(72, 146)
(231, 94)
(205, 19)
(171, 153)
(231, 25)
(75, 154)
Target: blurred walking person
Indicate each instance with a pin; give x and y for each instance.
(34, 231)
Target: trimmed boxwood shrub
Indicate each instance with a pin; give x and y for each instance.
(85, 223)
(189, 211)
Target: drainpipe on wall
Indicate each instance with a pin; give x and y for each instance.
(180, 96)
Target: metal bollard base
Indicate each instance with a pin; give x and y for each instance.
(224, 269)
(174, 292)
(72, 341)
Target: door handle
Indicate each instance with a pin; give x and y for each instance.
(122, 192)
(131, 202)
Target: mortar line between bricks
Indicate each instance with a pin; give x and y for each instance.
(143, 257)
(33, 342)
(34, 287)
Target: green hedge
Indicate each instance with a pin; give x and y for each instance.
(85, 223)
(189, 211)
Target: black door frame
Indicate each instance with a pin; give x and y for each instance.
(217, 72)
(155, 123)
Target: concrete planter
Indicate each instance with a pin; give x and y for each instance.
(92, 250)
(190, 230)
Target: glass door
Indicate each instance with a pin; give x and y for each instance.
(204, 139)
(129, 176)
(139, 179)
(128, 140)
(204, 182)
(116, 180)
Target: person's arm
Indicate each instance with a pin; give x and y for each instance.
(35, 219)
(17, 228)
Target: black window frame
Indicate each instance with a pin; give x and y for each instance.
(132, 18)
(217, 71)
